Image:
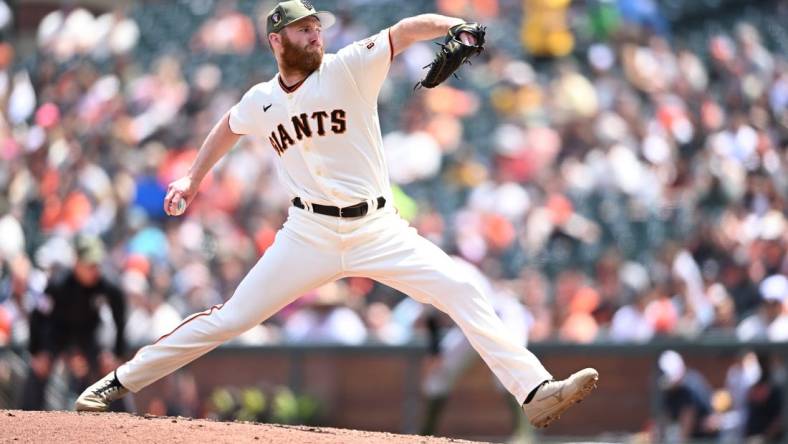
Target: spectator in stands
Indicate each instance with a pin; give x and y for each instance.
(740, 377)
(150, 316)
(327, 320)
(12, 236)
(21, 291)
(630, 323)
(686, 400)
(6, 17)
(767, 323)
(765, 404)
(117, 34)
(724, 310)
(533, 287)
(381, 327)
(227, 32)
(5, 327)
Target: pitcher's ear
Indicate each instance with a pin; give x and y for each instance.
(274, 37)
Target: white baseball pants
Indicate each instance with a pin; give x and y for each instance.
(311, 250)
(457, 354)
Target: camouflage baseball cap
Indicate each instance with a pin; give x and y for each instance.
(89, 249)
(291, 11)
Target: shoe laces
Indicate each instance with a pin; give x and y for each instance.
(107, 389)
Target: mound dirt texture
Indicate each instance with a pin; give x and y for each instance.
(71, 427)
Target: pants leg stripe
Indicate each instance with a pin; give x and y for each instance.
(191, 318)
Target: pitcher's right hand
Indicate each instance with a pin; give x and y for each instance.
(180, 194)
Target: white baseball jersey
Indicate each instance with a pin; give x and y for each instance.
(327, 133)
(326, 129)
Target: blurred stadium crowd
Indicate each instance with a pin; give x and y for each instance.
(634, 188)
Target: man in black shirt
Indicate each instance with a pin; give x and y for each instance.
(686, 399)
(66, 324)
(765, 406)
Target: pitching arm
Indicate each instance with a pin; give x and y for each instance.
(219, 141)
(420, 28)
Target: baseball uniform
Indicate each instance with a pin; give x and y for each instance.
(325, 132)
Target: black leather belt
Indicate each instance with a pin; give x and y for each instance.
(357, 210)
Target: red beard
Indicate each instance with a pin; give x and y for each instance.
(304, 60)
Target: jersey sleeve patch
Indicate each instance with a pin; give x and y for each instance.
(369, 43)
(368, 61)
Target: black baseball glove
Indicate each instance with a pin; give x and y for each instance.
(453, 54)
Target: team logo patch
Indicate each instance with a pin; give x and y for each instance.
(369, 43)
(276, 18)
(307, 5)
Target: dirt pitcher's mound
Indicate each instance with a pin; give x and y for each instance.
(70, 427)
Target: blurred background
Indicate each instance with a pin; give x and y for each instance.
(617, 169)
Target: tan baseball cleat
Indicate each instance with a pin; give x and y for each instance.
(100, 395)
(555, 397)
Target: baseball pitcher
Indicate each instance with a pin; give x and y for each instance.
(319, 115)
